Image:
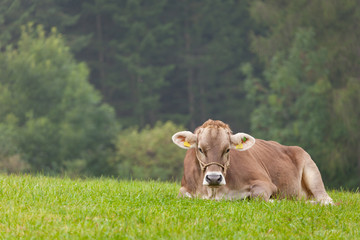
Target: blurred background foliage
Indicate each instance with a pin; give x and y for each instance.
(148, 153)
(98, 87)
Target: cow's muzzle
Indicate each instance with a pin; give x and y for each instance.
(214, 179)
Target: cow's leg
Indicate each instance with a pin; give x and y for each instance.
(184, 193)
(313, 182)
(262, 189)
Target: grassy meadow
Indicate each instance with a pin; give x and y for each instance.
(38, 207)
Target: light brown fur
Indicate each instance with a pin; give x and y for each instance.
(267, 169)
(214, 124)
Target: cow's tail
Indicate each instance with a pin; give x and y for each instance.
(312, 180)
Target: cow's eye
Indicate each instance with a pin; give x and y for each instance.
(200, 150)
(228, 150)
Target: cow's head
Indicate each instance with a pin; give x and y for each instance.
(213, 142)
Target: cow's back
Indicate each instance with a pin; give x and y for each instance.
(269, 161)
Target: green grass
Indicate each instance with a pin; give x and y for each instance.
(36, 207)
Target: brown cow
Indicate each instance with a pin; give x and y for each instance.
(220, 165)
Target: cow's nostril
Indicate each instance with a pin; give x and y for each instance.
(219, 179)
(208, 179)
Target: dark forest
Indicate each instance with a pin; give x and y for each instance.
(97, 88)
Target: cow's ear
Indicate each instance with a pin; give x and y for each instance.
(242, 141)
(184, 139)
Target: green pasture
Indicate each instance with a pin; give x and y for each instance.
(38, 207)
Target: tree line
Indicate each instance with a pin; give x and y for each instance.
(281, 71)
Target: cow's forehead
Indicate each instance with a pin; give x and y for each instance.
(214, 136)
